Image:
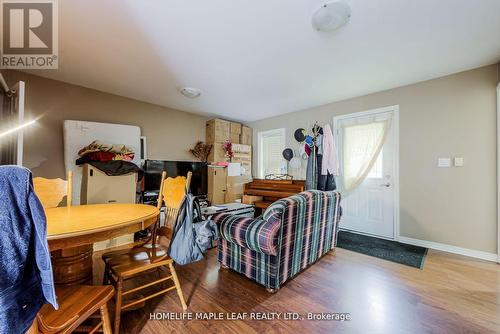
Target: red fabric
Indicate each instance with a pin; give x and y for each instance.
(108, 156)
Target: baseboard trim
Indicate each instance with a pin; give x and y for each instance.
(451, 249)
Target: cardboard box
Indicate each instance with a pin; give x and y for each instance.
(217, 130)
(235, 138)
(235, 186)
(249, 199)
(217, 185)
(246, 135)
(99, 188)
(236, 128)
(217, 153)
(243, 155)
(243, 149)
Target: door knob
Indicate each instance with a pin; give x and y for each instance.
(385, 185)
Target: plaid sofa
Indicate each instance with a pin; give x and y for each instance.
(292, 233)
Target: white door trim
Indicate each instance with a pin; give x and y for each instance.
(395, 123)
(498, 173)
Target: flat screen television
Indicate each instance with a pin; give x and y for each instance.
(154, 168)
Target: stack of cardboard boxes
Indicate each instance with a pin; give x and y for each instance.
(235, 129)
(221, 187)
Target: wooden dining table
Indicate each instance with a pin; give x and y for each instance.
(72, 231)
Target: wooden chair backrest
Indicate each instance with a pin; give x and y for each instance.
(51, 192)
(180, 182)
(160, 194)
(172, 205)
(174, 190)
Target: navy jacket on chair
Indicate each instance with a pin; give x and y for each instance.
(26, 280)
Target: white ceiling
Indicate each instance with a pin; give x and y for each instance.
(256, 59)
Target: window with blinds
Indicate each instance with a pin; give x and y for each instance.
(271, 145)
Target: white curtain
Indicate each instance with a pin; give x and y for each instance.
(361, 145)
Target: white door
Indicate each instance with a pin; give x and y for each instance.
(369, 208)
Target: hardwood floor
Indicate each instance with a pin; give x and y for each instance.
(452, 294)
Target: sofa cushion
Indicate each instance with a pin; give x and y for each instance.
(255, 234)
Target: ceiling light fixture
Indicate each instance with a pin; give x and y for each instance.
(190, 92)
(331, 16)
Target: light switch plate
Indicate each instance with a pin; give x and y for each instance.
(458, 162)
(444, 162)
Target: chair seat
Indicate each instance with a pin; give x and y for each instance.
(106, 257)
(162, 232)
(75, 302)
(136, 260)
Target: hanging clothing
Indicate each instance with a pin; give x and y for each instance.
(330, 162)
(319, 144)
(26, 279)
(312, 170)
(325, 182)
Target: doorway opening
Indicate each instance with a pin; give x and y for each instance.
(368, 148)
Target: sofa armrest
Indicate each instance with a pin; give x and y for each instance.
(255, 234)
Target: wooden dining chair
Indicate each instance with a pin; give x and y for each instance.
(77, 303)
(139, 262)
(51, 192)
(173, 192)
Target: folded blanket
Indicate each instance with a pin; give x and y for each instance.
(107, 156)
(99, 146)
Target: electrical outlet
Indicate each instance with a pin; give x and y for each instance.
(458, 162)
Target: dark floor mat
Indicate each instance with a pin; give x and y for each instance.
(409, 255)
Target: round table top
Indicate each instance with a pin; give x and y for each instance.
(78, 220)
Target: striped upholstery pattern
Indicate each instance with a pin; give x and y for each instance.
(307, 225)
(257, 266)
(254, 234)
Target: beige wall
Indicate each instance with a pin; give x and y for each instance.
(170, 133)
(445, 117)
